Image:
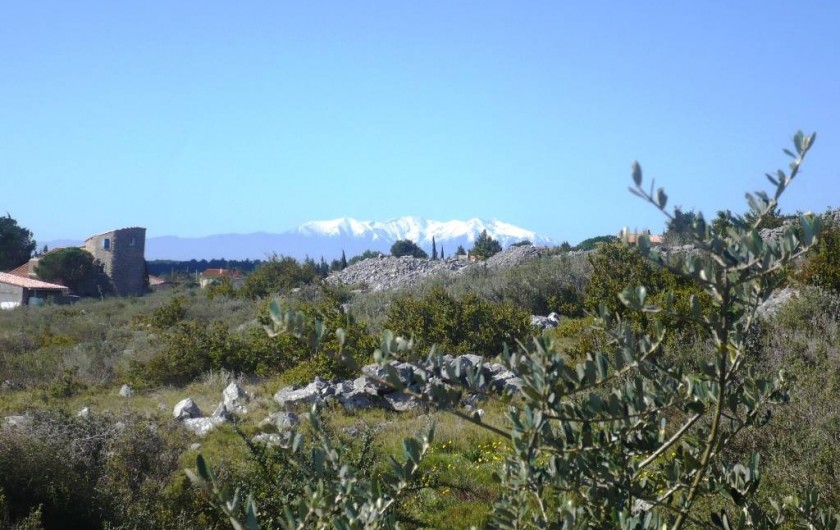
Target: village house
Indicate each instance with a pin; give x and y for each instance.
(17, 291)
(633, 237)
(120, 253)
(211, 276)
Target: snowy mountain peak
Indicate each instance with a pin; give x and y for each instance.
(332, 237)
(420, 230)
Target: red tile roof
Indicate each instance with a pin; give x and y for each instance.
(219, 273)
(654, 239)
(22, 271)
(154, 281)
(29, 283)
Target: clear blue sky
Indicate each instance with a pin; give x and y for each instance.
(216, 118)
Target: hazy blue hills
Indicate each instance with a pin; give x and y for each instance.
(329, 238)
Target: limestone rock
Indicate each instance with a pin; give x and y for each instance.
(309, 394)
(548, 322)
(282, 420)
(776, 301)
(221, 412)
(272, 439)
(235, 398)
(126, 391)
(359, 399)
(19, 422)
(201, 426)
(400, 402)
(186, 409)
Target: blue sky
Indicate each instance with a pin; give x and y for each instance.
(196, 118)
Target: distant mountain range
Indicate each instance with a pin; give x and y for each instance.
(329, 238)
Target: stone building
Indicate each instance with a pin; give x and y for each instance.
(122, 255)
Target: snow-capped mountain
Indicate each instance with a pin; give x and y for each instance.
(330, 238)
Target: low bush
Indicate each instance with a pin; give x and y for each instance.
(822, 267)
(468, 325)
(279, 275)
(193, 347)
(93, 472)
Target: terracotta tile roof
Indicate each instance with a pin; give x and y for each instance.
(654, 240)
(22, 271)
(29, 283)
(219, 273)
(633, 238)
(156, 280)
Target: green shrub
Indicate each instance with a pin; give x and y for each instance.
(615, 266)
(191, 348)
(278, 275)
(90, 472)
(822, 267)
(170, 313)
(468, 325)
(545, 285)
(223, 287)
(579, 338)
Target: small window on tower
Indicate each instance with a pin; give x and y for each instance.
(132, 242)
(106, 244)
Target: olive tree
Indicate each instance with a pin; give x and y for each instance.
(625, 439)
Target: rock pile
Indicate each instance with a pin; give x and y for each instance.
(188, 413)
(513, 256)
(387, 272)
(368, 391)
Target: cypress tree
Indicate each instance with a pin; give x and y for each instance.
(434, 249)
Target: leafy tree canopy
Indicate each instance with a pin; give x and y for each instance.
(16, 244)
(485, 246)
(278, 275)
(71, 266)
(367, 254)
(592, 242)
(407, 247)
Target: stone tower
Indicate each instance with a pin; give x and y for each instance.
(122, 254)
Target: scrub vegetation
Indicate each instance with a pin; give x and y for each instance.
(669, 405)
